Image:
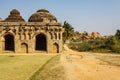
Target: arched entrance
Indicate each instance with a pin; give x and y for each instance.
(55, 48)
(9, 42)
(24, 48)
(41, 42)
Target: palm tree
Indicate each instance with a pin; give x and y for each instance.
(68, 31)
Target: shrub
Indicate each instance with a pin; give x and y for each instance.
(113, 44)
(97, 45)
(84, 46)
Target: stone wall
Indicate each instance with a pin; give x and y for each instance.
(24, 34)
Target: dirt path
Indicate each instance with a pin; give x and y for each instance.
(84, 66)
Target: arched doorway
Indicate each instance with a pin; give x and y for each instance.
(55, 48)
(24, 48)
(9, 42)
(41, 42)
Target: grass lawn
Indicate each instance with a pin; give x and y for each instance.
(21, 67)
(52, 70)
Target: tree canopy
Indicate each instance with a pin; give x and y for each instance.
(118, 34)
(68, 31)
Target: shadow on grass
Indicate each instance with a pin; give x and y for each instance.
(51, 70)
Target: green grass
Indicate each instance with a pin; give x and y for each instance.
(21, 67)
(52, 70)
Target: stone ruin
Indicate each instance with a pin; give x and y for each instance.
(41, 34)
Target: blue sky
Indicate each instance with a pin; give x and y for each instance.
(84, 15)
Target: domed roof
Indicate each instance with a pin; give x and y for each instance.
(14, 12)
(42, 15)
(43, 10)
(14, 17)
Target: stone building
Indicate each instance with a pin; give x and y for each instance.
(41, 34)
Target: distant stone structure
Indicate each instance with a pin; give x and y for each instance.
(41, 34)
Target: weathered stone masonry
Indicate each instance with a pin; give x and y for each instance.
(42, 33)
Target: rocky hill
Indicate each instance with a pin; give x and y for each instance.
(79, 36)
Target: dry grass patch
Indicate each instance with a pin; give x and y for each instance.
(52, 70)
(113, 59)
(21, 67)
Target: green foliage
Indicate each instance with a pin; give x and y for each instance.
(68, 32)
(85, 46)
(97, 45)
(111, 44)
(118, 34)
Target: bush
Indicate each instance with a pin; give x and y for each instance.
(113, 44)
(97, 45)
(116, 48)
(84, 47)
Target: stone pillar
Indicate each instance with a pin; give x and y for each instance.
(33, 42)
(16, 43)
(22, 36)
(60, 43)
(2, 46)
(27, 36)
(48, 41)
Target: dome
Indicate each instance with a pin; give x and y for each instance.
(14, 17)
(42, 15)
(43, 10)
(15, 12)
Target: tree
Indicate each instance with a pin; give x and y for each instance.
(68, 31)
(118, 34)
(113, 43)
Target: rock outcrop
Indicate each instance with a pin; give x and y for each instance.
(78, 36)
